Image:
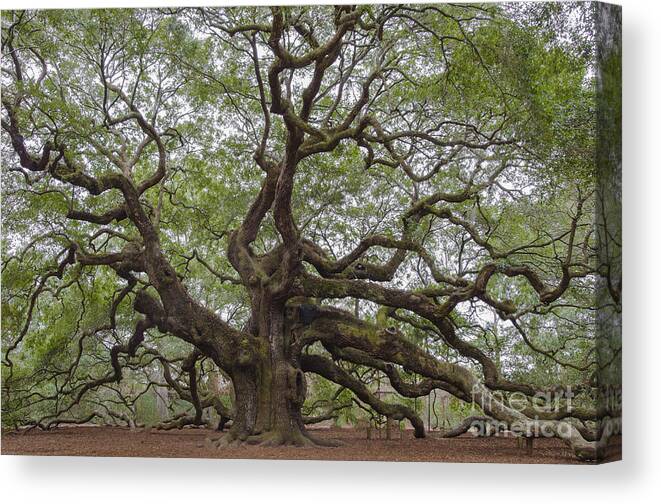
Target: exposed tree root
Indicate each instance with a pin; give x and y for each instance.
(271, 439)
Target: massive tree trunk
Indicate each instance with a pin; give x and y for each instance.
(269, 393)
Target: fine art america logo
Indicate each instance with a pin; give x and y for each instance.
(538, 416)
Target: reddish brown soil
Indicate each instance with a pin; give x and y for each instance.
(118, 442)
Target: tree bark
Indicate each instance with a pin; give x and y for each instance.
(269, 393)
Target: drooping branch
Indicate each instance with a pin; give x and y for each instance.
(341, 329)
(326, 368)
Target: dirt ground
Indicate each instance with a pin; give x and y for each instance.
(188, 443)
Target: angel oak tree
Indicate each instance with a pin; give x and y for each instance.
(303, 192)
